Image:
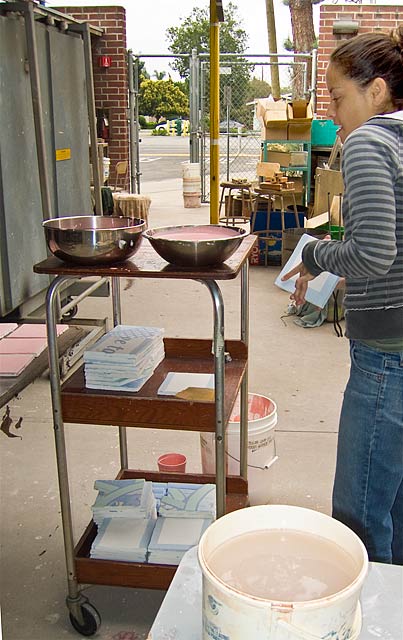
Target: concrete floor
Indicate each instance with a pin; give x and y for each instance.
(303, 370)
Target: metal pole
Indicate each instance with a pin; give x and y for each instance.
(74, 598)
(314, 78)
(137, 118)
(37, 107)
(132, 123)
(85, 29)
(214, 112)
(203, 129)
(117, 319)
(244, 384)
(194, 107)
(219, 363)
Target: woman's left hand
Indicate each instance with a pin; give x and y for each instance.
(301, 283)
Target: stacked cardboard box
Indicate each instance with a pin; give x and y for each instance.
(283, 120)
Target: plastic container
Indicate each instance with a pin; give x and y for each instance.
(191, 192)
(231, 613)
(106, 167)
(191, 170)
(336, 232)
(262, 420)
(323, 133)
(175, 462)
(298, 158)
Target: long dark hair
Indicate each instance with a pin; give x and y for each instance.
(374, 55)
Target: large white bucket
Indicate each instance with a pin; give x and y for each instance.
(190, 170)
(262, 420)
(230, 613)
(191, 192)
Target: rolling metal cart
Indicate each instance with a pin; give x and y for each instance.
(72, 402)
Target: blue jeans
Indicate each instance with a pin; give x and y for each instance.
(368, 486)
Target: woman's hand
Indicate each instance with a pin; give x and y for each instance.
(301, 283)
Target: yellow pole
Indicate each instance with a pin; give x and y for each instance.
(214, 112)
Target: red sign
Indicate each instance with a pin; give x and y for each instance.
(104, 61)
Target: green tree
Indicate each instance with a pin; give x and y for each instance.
(162, 98)
(303, 38)
(194, 33)
(255, 89)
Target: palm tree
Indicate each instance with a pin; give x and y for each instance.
(271, 32)
(303, 35)
(159, 75)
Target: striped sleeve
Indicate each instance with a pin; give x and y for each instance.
(369, 210)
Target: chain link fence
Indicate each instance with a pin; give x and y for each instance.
(243, 80)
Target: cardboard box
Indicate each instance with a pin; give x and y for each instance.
(328, 184)
(285, 121)
(273, 118)
(299, 117)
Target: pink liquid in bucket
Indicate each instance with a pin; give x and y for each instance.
(172, 462)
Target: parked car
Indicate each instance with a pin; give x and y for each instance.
(232, 124)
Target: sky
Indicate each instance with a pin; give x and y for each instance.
(147, 24)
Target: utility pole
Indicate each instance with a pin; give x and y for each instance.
(271, 32)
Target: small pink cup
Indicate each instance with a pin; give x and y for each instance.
(172, 462)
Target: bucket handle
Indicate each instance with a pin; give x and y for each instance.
(253, 466)
(300, 634)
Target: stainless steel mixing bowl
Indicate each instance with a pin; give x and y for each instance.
(93, 239)
(203, 252)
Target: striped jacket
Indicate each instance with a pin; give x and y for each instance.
(370, 257)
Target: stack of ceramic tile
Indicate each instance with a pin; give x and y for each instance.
(184, 514)
(124, 539)
(125, 512)
(21, 344)
(123, 499)
(124, 358)
(172, 537)
(188, 501)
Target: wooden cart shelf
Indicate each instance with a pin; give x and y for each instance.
(140, 574)
(145, 408)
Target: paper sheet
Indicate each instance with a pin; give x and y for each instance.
(320, 289)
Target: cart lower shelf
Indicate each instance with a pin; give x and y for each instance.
(138, 574)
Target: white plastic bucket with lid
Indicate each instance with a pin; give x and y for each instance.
(191, 170)
(191, 191)
(262, 420)
(231, 613)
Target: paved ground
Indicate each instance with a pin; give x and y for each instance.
(303, 370)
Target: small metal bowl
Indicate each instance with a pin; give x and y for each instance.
(93, 239)
(195, 245)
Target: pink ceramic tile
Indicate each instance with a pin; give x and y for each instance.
(12, 365)
(36, 330)
(6, 328)
(23, 345)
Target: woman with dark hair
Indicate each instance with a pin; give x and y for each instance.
(365, 82)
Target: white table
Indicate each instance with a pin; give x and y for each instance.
(180, 615)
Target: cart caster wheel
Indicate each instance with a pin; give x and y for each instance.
(71, 312)
(92, 620)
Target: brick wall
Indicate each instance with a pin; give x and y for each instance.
(370, 18)
(111, 83)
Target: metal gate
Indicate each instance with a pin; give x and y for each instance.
(240, 136)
